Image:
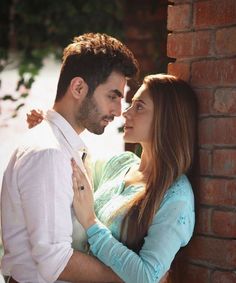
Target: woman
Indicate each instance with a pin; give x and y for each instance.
(144, 207)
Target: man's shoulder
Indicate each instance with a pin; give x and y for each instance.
(40, 136)
(39, 139)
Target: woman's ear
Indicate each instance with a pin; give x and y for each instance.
(78, 88)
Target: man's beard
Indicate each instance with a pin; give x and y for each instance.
(90, 117)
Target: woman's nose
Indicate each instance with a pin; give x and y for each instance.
(127, 112)
(124, 113)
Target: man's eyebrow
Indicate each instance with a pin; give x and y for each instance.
(118, 93)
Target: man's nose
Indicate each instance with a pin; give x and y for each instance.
(117, 109)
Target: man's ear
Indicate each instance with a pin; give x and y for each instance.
(78, 88)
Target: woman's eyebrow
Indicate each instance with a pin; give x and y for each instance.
(138, 100)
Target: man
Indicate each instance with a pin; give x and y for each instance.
(37, 195)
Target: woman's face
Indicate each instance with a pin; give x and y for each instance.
(139, 117)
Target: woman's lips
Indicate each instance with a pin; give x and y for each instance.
(126, 127)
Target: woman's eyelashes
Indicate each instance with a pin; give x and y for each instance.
(137, 105)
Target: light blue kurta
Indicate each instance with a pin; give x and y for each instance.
(171, 228)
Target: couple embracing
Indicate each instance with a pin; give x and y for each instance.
(125, 220)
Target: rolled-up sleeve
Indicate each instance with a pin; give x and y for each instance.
(172, 228)
(45, 188)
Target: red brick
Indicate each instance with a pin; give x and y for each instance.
(205, 131)
(217, 131)
(224, 223)
(211, 251)
(180, 45)
(226, 41)
(205, 101)
(213, 13)
(223, 277)
(224, 131)
(217, 192)
(194, 274)
(179, 17)
(181, 70)
(214, 72)
(202, 43)
(190, 44)
(203, 221)
(205, 158)
(224, 162)
(225, 101)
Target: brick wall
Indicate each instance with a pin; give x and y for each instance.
(203, 42)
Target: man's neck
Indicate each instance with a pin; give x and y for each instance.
(68, 116)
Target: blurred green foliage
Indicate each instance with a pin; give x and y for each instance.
(35, 28)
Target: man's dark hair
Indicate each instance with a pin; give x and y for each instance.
(93, 56)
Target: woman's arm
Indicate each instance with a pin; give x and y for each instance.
(164, 239)
(171, 229)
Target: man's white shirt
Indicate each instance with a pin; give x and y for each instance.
(36, 203)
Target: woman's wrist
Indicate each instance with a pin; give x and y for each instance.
(90, 222)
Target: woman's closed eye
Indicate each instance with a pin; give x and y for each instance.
(135, 105)
(139, 106)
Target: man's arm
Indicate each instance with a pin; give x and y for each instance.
(83, 267)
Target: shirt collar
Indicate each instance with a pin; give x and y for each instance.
(68, 132)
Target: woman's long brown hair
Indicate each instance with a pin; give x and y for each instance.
(173, 145)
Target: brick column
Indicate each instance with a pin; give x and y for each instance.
(146, 35)
(203, 42)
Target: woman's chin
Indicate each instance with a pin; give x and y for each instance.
(128, 139)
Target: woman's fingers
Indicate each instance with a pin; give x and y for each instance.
(37, 113)
(83, 202)
(34, 117)
(75, 185)
(76, 170)
(75, 176)
(78, 177)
